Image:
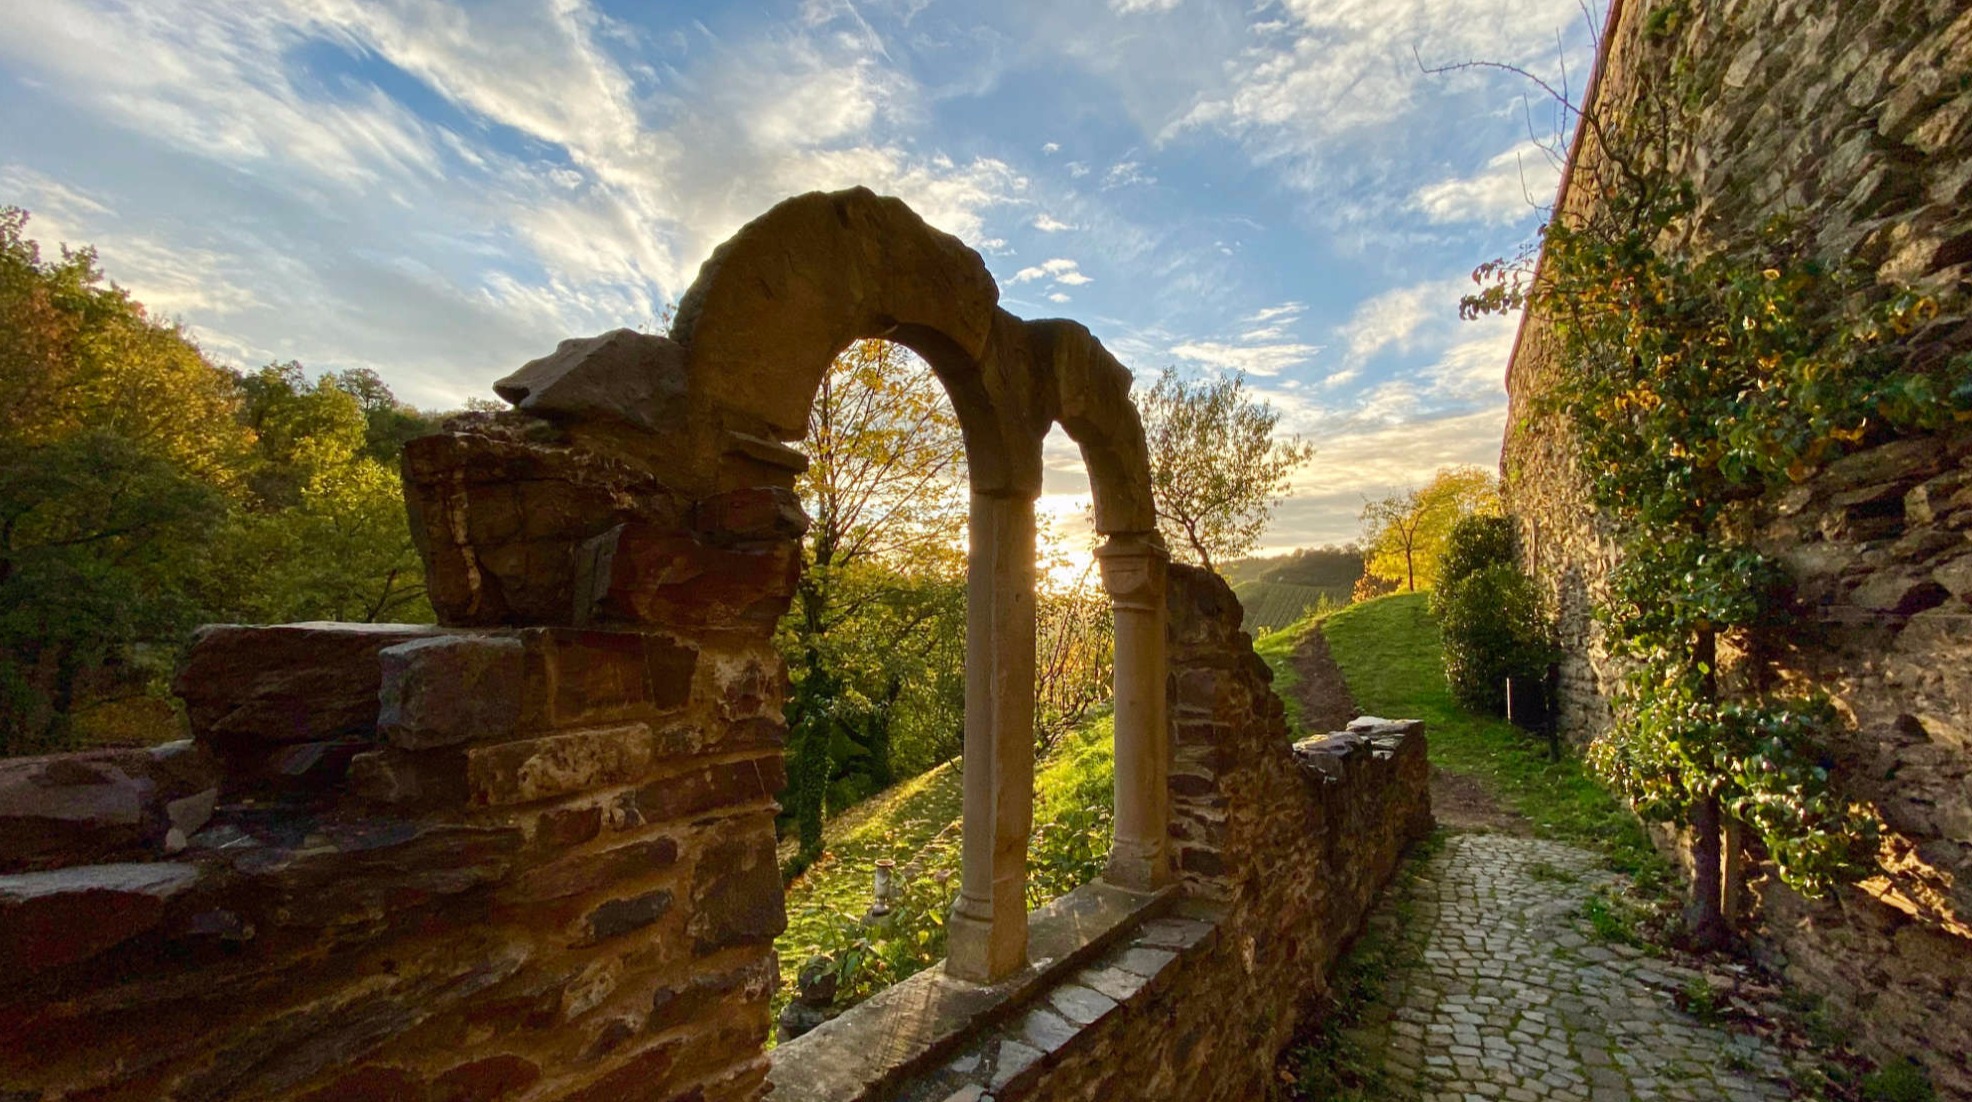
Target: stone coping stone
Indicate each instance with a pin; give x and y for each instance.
(903, 1031)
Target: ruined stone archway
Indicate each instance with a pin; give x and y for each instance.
(770, 310)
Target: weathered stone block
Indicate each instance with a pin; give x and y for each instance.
(593, 677)
(555, 765)
(97, 806)
(579, 873)
(637, 378)
(729, 785)
(448, 689)
(498, 511)
(736, 895)
(644, 575)
(755, 514)
(617, 917)
(485, 1080)
(49, 919)
(293, 683)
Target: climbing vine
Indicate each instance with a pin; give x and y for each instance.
(1696, 366)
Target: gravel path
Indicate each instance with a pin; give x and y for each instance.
(1504, 992)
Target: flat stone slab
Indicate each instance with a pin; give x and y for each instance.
(922, 1022)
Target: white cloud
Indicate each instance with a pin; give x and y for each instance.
(1400, 319)
(1138, 7)
(1077, 169)
(1329, 92)
(1126, 174)
(1048, 223)
(1253, 359)
(1057, 296)
(1060, 270)
(1512, 187)
(1051, 148)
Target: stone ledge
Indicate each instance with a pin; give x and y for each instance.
(906, 1032)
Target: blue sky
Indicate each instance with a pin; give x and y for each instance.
(443, 189)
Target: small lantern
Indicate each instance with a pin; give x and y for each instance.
(880, 905)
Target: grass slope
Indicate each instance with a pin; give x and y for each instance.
(1389, 652)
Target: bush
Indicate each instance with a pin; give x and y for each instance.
(1489, 614)
(1473, 544)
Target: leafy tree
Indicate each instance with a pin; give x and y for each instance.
(1216, 469)
(1405, 533)
(876, 637)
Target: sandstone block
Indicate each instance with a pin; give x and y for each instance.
(617, 917)
(288, 684)
(555, 765)
(637, 378)
(713, 788)
(643, 575)
(736, 894)
(486, 1080)
(500, 515)
(448, 689)
(97, 806)
(49, 919)
(595, 677)
(752, 515)
(578, 873)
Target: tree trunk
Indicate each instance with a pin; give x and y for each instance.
(1702, 914)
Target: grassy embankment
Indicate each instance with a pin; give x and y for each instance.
(1389, 653)
(916, 824)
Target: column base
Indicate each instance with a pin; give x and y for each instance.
(979, 949)
(1137, 866)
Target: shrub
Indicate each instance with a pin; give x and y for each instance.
(1473, 544)
(1489, 613)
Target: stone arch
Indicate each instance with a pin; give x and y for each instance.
(758, 329)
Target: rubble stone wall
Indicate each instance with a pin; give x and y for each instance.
(1283, 849)
(483, 862)
(1855, 121)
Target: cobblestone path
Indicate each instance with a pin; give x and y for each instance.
(1502, 991)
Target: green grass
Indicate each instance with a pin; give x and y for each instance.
(1275, 648)
(915, 823)
(1388, 650)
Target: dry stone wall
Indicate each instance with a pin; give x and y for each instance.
(1856, 121)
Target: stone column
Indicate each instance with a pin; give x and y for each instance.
(1133, 571)
(988, 934)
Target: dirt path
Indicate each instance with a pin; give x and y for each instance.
(1324, 697)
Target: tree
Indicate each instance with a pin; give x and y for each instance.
(1405, 533)
(1216, 468)
(875, 640)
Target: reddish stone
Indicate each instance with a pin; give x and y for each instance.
(556, 765)
(486, 1080)
(593, 677)
(288, 684)
(568, 826)
(587, 872)
(648, 575)
(641, 1078)
(713, 788)
(737, 895)
(372, 1084)
(450, 689)
(756, 513)
(49, 919)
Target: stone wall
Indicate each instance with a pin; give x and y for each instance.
(1856, 120)
(1188, 995)
(513, 859)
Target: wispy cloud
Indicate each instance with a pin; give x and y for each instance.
(1060, 270)
(1048, 223)
(1513, 187)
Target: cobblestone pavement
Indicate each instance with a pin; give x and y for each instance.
(1501, 991)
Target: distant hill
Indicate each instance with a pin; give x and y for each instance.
(1276, 589)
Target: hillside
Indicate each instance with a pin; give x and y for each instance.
(1276, 590)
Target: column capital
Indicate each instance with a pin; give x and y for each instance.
(1133, 569)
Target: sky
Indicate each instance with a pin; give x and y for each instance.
(441, 190)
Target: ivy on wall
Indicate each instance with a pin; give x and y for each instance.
(1695, 366)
